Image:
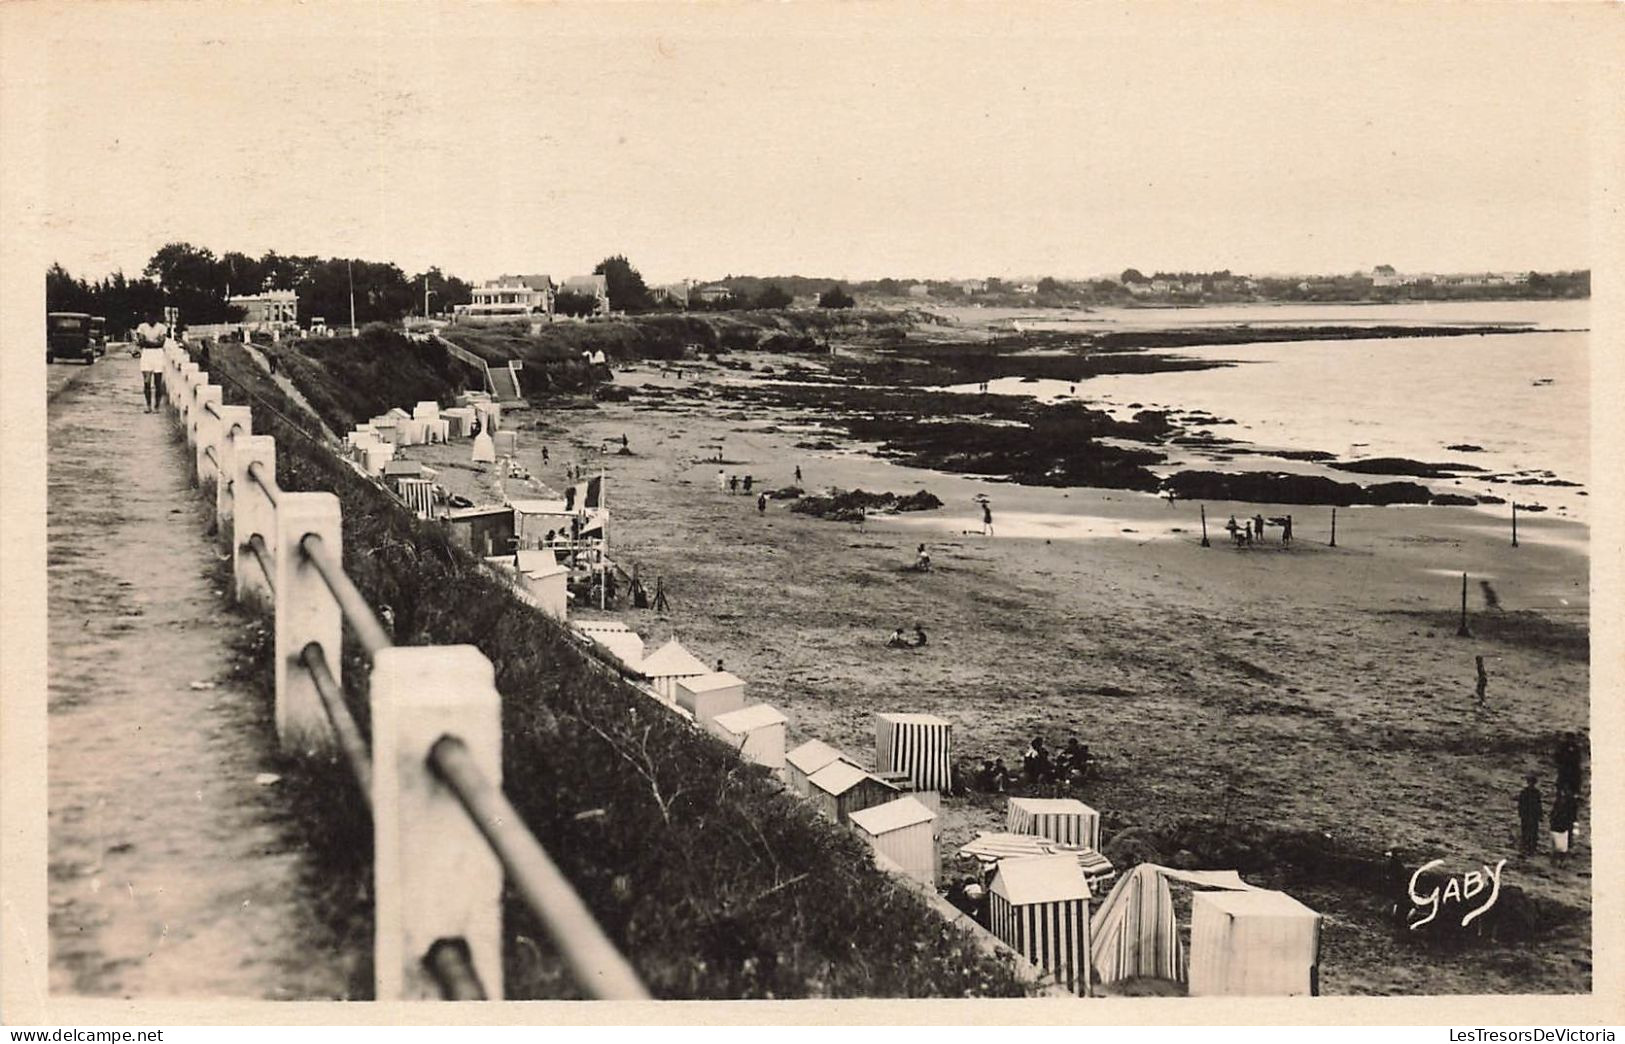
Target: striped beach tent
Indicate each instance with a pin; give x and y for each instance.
(1066, 820)
(991, 848)
(918, 744)
(1039, 906)
(1135, 932)
(418, 494)
(806, 760)
(903, 831)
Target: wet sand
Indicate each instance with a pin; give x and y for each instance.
(1307, 688)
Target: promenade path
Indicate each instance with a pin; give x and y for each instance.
(174, 872)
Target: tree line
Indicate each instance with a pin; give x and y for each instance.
(200, 284)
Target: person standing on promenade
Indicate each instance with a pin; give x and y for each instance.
(152, 369)
(1529, 810)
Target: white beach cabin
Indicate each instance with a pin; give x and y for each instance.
(1040, 908)
(903, 831)
(668, 665)
(1066, 820)
(756, 732)
(1253, 944)
(841, 788)
(708, 695)
(620, 640)
(806, 760)
(544, 580)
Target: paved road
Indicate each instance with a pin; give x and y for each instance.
(172, 872)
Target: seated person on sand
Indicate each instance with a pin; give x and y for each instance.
(922, 560)
(897, 641)
(919, 636)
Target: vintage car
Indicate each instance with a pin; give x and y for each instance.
(68, 336)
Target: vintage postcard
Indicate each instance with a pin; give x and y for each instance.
(1053, 513)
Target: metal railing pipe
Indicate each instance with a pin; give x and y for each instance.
(257, 474)
(598, 967)
(255, 545)
(351, 744)
(355, 608)
(450, 963)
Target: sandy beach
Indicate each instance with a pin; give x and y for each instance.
(1298, 690)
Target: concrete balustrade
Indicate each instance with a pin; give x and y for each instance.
(252, 514)
(208, 433)
(435, 877)
(236, 424)
(306, 612)
(190, 379)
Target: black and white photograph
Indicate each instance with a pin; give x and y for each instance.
(811, 502)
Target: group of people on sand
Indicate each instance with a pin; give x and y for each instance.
(899, 640)
(1565, 811)
(1070, 767)
(1244, 533)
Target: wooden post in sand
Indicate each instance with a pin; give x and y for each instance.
(1204, 527)
(1462, 631)
(1334, 527)
(1514, 523)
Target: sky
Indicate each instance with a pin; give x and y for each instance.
(854, 140)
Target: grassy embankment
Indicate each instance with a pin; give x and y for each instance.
(713, 881)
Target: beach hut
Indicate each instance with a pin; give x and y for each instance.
(841, 788)
(756, 732)
(1039, 906)
(990, 849)
(484, 451)
(807, 759)
(1066, 820)
(376, 455)
(918, 744)
(1134, 933)
(418, 493)
(903, 831)
(707, 695)
(544, 580)
(620, 640)
(459, 421)
(486, 530)
(1253, 944)
(426, 410)
(668, 665)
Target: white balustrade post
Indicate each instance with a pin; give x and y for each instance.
(208, 432)
(200, 380)
(236, 423)
(189, 383)
(434, 875)
(252, 514)
(172, 376)
(306, 612)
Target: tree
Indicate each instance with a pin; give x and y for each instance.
(627, 291)
(1134, 275)
(773, 296)
(835, 297)
(570, 303)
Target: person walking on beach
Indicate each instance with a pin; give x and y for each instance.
(748, 481)
(1529, 809)
(798, 472)
(1483, 679)
(722, 481)
(761, 503)
(544, 454)
(922, 560)
(733, 483)
(1565, 810)
(1258, 527)
(987, 518)
(1286, 530)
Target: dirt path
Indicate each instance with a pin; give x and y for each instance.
(172, 871)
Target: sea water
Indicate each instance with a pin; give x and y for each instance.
(1523, 397)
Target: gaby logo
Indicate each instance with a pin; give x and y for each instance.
(1462, 891)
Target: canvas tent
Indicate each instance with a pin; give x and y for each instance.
(708, 695)
(756, 732)
(669, 664)
(1066, 820)
(918, 744)
(1253, 944)
(806, 760)
(990, 849)
(1134, 931)
(841, 788)
(1039, 906)
(903, 831)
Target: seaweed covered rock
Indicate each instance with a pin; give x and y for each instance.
(1281, 487)
(851, 505)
